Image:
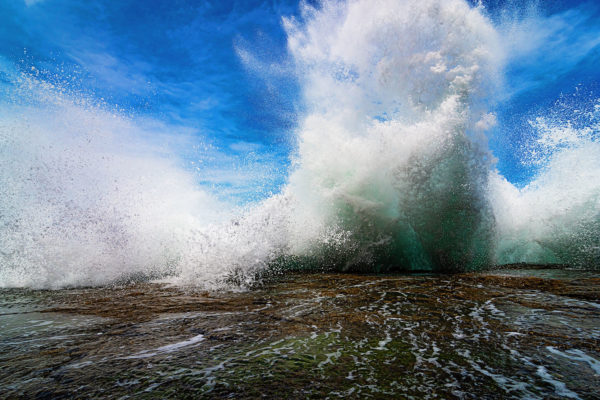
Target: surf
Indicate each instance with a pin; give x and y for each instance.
(391, 169)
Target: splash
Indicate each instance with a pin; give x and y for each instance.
(392, 169)
(556, 217)
(86, 199)
(392, 149)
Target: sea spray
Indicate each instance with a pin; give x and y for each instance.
(391, 149)
(391, 167)
(391, 171)
(556, 217)
(86, 198)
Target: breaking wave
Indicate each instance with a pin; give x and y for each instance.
(392, 169)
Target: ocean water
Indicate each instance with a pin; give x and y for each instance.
(493, 335)
(391, 171)
(395, 262)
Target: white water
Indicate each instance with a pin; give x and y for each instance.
(86, 199)
(391, 169)
(556, 217)
(393, 148)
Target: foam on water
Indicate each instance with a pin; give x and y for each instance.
(391, 170)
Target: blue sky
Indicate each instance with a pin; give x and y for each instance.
(172, 58)
(553, 69)
(182, 62)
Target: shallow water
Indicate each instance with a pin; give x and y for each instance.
(501, 334)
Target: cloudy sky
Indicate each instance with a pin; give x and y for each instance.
(219, 70)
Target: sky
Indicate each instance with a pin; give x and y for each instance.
(219, 70)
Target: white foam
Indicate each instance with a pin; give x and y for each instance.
(577, 355)
(169, 348)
